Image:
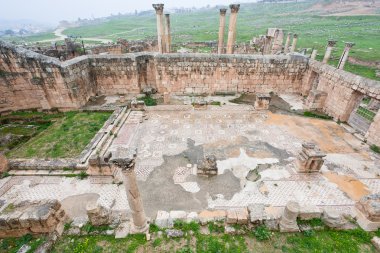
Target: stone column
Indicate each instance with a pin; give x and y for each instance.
(287, 43)
(168, 37)
(329, 48)
(160, 26)
(222, 24)
(232, 28)
(344, 57)
(313, 54)
(139, 221)
(294, 43)
(277, 41)
(288, 221)
(268, 44)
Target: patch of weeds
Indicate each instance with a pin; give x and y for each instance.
(88, 228)
(148, 100)
(67, 226)
(375, 148)
(224, 243)
(187, 226)
(185, 250)
(153, 228)
(82, 175)
(308, 233)
(262, 233)
(157, 242)
(215, 103)
(315, 222)
(4, 174)
(215, 228)
(317, 115)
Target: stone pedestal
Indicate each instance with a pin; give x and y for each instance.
(232, 28)
(287, 43)
(288, 221)
(368, 212)
(294, 43)
(310, 158)
(207, 166)
(222, 24)
(126, 161)
(160, 26)
(344, 57)
(262, 101)
(329, 48)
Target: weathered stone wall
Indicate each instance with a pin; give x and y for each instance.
(343, 88)
(205, 73)
(373, 134)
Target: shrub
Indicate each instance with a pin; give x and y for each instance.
(375, 148)
(262, 233)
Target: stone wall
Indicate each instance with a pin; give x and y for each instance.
(373, 134)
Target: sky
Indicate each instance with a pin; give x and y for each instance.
(52, 11)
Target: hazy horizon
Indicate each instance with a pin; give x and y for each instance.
(51, 12)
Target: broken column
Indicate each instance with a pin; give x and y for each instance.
(294, 43)
(127, 165)
(207, 167)
(287, 43)
(344, 57)
(160, 26)
(329, 48)
(313, 54)
(232, 28)
(262, 101)
(268, 44)
(168, 38)
(222, 24)
(310, 159)
(277, 41)
(288, 221)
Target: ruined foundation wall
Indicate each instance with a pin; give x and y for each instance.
(343, 88)
(205, 73)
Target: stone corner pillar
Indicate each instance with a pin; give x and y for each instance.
(344, 57)
(232, 28)
(222, 24)
(287, 43)
(160, 26)
(127, 166)
(294, 43)
(168, 37)
(330, 45)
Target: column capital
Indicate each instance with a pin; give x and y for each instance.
(295, 35)
(167, 15)
(349, 44)
(223, 11)
(290, 33)
(159, 8)
(331, 43)
(234, 8)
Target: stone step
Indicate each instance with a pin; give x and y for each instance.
(21, 172)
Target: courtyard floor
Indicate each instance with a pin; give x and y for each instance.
(255, 151)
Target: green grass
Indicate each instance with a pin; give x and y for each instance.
(12, 245)
(365, 113)
(67, 137)
(326, 240)
(316, 115)
(31, 38)
(375, 148)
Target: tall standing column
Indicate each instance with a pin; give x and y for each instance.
(168, 37)
(287, 43)
(313, 54)
(139, 221)
(329, 48)
(344, 57)
(294, 43)
(160, 26)
(232, 28)
(222, 24)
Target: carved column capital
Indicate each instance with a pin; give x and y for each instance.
(295, 36)
(159, 8)
(349, 44)
(331, 43)
(234, 8)
(223, 11)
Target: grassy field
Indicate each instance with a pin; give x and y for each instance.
(65, 138)
(256, 240)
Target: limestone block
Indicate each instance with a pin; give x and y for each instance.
(242, 215)
(308, 212)
(192, 216)
(3, 163)
(369, 205)
(256, 213)
(163, 219)
(210, 216)
(177, 215)
(97, 214)
(231, 216)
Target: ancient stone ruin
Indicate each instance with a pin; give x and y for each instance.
(310, 159)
